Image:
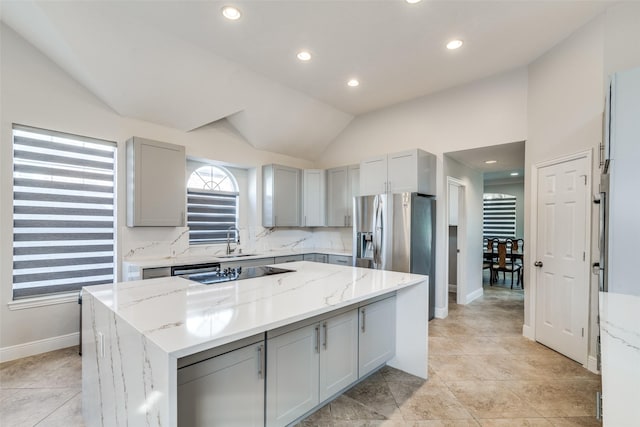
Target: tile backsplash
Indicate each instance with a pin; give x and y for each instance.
(164, 242)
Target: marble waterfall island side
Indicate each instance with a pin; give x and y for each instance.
(134, 333)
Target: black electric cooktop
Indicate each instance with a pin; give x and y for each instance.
(236, 273)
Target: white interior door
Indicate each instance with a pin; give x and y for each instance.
(562, 280)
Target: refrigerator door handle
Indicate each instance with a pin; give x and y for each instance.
(602, 262)
(377, 234)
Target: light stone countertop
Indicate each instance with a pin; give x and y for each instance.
(620, 339)
(184, 317)
(202, 258)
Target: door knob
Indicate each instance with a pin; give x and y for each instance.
(538, 263)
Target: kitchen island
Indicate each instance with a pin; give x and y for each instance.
(138, 334)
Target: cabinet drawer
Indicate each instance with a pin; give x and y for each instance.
(152, 273)
(288, 258)
(340, 259)
(247, 263)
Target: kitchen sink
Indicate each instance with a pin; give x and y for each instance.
(236, 255)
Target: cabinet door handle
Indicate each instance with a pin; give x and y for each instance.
(305, 220)
(261, 361)
(324, 325)
(364, 317)
(317, 328)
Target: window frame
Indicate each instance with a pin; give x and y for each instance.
(78, 174)
(505, 205)
(202, 194)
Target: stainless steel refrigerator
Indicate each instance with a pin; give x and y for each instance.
(619, 191)
(396, 232)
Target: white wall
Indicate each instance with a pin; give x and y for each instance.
(564, 117)
(36, 92)
(515, 189)
(487, 112)
(622, 32)
(471, 274)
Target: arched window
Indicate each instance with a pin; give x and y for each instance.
(212, 205)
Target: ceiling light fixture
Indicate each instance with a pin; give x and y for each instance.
(413, 1)
(514, 174)
(231, 13)
(304, 55)
(490, 162)
(353, 83)
(454, 44)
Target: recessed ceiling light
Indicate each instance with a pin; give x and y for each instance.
(353, 83)
(231, 13)
(413, 1)
(514, 174)
(490, 162)
(304, 55)
(454, 44)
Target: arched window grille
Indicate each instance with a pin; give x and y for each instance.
(212, 205)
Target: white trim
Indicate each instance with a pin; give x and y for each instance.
(528, 332)
(592, 364)
(441, 312)
(36, 347)
(532, 280)
(473, 296)
(24, 303)
(460, 288)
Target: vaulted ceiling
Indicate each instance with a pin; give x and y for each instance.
(181, 64)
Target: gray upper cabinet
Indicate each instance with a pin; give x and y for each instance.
(281, 196)
(156, 189)
(342, 186)
(313, 200)
(407, 171)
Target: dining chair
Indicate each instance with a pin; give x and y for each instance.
(490, 255)
(505, 263)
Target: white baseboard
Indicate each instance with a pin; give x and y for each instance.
(474, 295)
(527, 332)
(592, 364)
(36, 347)
(441, 312)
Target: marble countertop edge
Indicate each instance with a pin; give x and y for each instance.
(179, 343)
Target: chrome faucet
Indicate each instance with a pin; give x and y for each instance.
(229, 230)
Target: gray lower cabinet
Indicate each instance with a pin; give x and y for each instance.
(377, 335)
(323, 258)
(340, 259)
(226, 390)
(288, 258)
(308, 365)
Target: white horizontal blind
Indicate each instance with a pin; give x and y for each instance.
(63, 212)
(499, 216)
(210, 214)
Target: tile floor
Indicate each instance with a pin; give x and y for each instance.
(481, 373)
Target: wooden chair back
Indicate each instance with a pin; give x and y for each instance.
(502, 254)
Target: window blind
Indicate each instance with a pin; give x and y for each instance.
(499, 216)
(63, 212)
(210, 214)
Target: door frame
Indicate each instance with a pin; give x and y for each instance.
(530, 291)
(461, 286)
